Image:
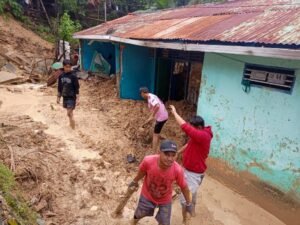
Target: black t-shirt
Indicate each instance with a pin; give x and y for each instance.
(68, 85)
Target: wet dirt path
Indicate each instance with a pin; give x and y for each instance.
(99, 151)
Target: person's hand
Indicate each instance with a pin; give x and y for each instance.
(173, 109)
(58, 100)
(189, 208)
(133, 185)
(147, 121)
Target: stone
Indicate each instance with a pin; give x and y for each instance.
(42, 205)
(8, 67)
(99, 179)
(7, 76)
(94, 208)
(82, 75)
(40, 221)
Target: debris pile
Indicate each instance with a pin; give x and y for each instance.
(22, 58)
(130, 115)
(35, 158)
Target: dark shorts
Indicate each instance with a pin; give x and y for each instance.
(146, 208)
(158, 126)
(69, 103)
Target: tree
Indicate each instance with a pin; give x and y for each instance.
(67, 28)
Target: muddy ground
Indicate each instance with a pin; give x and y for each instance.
(76, 177)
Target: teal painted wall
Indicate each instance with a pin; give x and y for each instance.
(258, 131)
(117, 55)
(138, 70)
(105, 48)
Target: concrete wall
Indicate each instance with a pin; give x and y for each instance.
(138, 67)
(88, 48)
(258, 131)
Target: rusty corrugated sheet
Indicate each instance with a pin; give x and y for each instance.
(256, 21)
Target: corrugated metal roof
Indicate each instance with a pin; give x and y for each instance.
(256, 21)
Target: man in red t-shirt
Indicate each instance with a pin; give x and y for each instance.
(159, 173)
(195, 153)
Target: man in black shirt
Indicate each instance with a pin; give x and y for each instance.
(68, 88)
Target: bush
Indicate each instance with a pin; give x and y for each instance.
(11, 6)
(22, 213)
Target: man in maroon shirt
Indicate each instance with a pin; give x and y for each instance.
(195, 153)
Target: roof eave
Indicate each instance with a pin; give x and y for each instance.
(239, 50)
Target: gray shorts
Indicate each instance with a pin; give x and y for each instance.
(193, 180)
(146, 208)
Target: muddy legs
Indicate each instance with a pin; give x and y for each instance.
(71, 118)
(134, 221)
(186, 217)
(155, 143)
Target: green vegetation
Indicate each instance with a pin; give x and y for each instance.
(19, 209)
(45, 33)
(67, 28)
(11, 6)
(75, 7)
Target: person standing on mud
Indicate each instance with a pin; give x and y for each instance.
(68, 88)
(158, 112)
(195, 153)
(159, 173)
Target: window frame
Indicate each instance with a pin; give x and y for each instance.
(261, 81)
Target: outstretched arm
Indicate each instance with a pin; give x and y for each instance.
(178, 118)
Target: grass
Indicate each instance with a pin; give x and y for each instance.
(23, 214)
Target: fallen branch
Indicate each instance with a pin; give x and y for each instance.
(38, 151)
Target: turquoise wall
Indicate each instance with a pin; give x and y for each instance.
(258, 131)
(105, 48)
(138, 70)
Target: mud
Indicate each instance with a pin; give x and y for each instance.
(77, 177)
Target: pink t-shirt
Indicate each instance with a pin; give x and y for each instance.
(157, 186)
(162, 113)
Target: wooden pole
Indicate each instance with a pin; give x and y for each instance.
(105, 16)
(46, 13)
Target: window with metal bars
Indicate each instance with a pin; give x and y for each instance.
(273, 77)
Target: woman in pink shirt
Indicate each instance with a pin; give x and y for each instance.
(158, 112)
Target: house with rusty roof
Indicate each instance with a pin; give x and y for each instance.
(238, 62)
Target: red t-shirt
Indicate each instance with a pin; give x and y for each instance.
(157, 186)
(197, 150)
